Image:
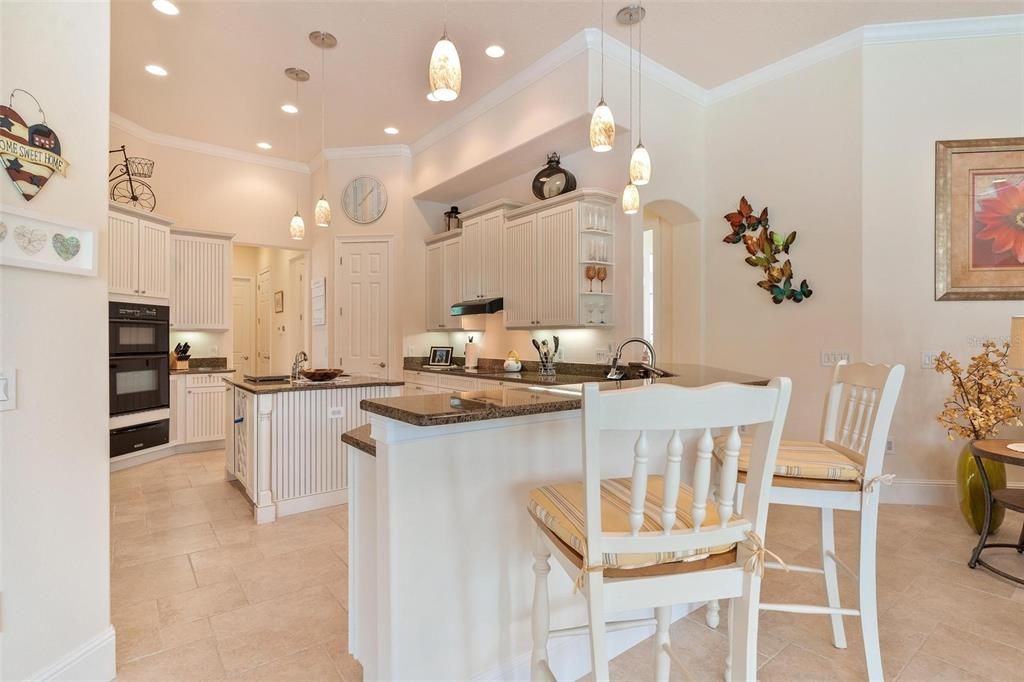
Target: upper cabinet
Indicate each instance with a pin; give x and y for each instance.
(558, 262)
(201, 264)
(482, 245)
(444, 281)
(138, 255)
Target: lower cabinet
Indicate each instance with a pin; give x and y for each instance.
(205, 408)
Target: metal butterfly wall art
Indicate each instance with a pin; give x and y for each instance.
(764, 247)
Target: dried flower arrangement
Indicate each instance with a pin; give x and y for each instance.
(984, 396)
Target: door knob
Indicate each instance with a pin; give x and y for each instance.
(383, 364)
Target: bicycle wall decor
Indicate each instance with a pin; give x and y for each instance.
(127, 187)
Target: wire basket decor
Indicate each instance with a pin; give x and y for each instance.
(141, 167)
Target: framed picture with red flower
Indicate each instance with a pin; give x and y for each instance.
(979, 219)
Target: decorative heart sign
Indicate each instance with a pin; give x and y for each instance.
(30, 154)
(66, 247)
(31, 240)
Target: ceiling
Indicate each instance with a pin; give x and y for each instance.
(226, 60)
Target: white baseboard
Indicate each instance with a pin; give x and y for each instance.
(94, 660)
(924, 491)
(311, 502)
(134, 459)
(569, 656)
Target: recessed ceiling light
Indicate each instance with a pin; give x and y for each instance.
(165, 7)
(264, 145)
(430, 97)
(495, 52)
(156, 70)
(391, 130)
(289, 109)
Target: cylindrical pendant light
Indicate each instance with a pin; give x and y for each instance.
(602, 123)
(297, 227)
(630, 199)
(325, 41)
(640, 162)
(445, 71)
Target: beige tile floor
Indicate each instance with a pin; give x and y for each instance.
(199, 592)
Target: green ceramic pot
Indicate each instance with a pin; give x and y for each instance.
(970, 490)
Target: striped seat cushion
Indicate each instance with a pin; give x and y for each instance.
(800, 459)
(560, 508)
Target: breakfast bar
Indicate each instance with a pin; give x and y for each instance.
(440, 579)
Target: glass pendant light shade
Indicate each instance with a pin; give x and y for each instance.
(445, 70)
(640, 166)
(297, 228)
(630, 199)
(322, 212)
(602, 128)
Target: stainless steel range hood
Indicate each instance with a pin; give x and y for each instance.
(478, 306)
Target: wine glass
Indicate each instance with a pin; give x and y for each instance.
(601, 308)
(602, 275)
(590, 273)
(590, 312)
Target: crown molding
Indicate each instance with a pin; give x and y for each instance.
(366, 152)
(185, 144)
(872, 34)
(618, 51)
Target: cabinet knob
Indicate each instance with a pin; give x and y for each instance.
(143, 291)
(383, 364)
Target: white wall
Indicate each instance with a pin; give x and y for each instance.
(54, 446)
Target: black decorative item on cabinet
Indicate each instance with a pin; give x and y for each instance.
(553, 180)
(452, 221)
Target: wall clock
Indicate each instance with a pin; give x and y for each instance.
(365, 199)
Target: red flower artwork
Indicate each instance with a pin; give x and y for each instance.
(1002, 219)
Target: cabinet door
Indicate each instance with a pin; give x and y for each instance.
(434, 285)
(519, 257)
(557, 267)
(420, 389)
(205, 414)
(489, 261)
(154, 260)
(122, 254)
(200, 287)
(452, 283)
(178, 411)
(472, 238)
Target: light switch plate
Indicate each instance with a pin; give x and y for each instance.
(336, 412)
(928, 359)
(831, 358)
(8, 389)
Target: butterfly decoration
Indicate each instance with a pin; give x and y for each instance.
(764, 247)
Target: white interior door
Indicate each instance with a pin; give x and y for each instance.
(264, 321)
(298, 295)
(243, 304)
(362, 316)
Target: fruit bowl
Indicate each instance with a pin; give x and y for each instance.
(322, 374)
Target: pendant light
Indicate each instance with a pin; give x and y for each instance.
(640, 162)
(630, 195)
(602, 123)
(445, 71)
(297, 228)
(325, 41)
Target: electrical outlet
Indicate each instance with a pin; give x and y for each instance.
(890, 446)
(928, 359)
(831, 358)
(602, 356)
(336, 412)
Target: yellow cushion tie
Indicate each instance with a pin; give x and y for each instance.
(757, 560)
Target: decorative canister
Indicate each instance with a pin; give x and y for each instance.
(452, 221)
(553, 180)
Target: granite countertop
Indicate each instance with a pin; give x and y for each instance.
(470, 406)
(360, 439)
(355, 381)
(203, 370)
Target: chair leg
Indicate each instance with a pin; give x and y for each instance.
(868, 597)
(711, 612)
(662, 661)
(539, 668)
(828, 544)
(728, 627)
(743, 616)
(595, 614)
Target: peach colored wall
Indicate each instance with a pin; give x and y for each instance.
(54, 447)
(915, 94)
(793, 144)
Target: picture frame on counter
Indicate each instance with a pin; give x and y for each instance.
(440, 356)
(31, 240)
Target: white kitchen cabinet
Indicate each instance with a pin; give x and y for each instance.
(472, 250)
(454, 382)
(178, 411)
(201, 284)
(444, 283)
(482, 245)
(138, 255)
(240, 446)
(205, 413)
(452, 289)
(546, 249)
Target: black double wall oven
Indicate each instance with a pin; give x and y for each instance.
(139, 376)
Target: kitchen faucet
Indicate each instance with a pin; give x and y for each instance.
(300, 359)
(616, 373)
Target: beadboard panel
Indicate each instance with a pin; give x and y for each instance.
(310, 458)
(202, 272)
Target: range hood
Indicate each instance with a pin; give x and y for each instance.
(478, 306)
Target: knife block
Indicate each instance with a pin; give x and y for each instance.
(177, 363)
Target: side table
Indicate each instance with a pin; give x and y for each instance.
(1010, 498)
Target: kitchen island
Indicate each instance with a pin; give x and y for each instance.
(283, 441)
(440, 572)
